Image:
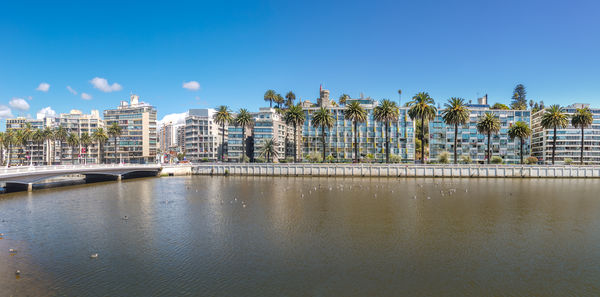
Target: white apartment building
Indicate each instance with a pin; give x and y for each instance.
(268, 124)
(203, 138)
(77, 122)
(568, 142)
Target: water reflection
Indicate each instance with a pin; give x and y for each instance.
(257, 236)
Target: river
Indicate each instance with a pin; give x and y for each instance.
(269, 236)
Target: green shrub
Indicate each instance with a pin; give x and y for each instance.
(466, 159)
(313, 157)
(531, 160)
(204, 160)
(395, 158)
(259, 160)
(370, 158)
(246, 159)
(329, 159)
(444, 158)
(497, 160)
(568, 161)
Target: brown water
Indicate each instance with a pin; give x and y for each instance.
(260, 236)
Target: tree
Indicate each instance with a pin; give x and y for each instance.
(500, 106)
(24, 139)
(456, 113)
(488, 124)
(520, 130)
(582, 119)
(223, 117)
(101, 138)
(270, 96)
(85, 139)
(73, 142)
(114, 131)
(21, 139)
(386, 112)
(343, 99)
(295, 116)
(554, 117)
(60, 135)
(519, 98)
(269, 149)
(324, 119)
(243, 119)
(422, 107)
(357, 114)
(48, 137)
(38, 138)
(291, 97)
(9, 140)
(279, 100)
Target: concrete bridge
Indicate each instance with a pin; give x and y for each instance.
(23, 178)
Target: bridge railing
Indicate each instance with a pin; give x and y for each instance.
(18, 169)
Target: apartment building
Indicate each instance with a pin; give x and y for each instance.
(473, 144)
(268, 124)
(33, 152)
(371, 134)
(236, 141)
(138, 142)
(79, 123)
(568, 140)
(203, 136)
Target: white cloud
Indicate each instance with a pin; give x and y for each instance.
(191, 85)
(44, 87)
(175, 118)
(5, 112)
(46, 112)
(86, 96)
(71, 90)
(102, 85)
(19, 103)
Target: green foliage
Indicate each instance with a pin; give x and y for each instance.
(519, 98)
(531, 160)
(313, 157)
(497, 160)
(259, 160)
(330, 159)
(466, 159)
(204, 160)
(444, 158)
(568, 161)
(370, 157)
(395, 159)
(422, 107)
(500, 106)
(180, 156)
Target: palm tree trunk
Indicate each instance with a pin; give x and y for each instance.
(223, 142)
(115, 139)
(356, 157)
(387, 142)
(243, 143)
(554, 145)
(423, 140)
(489, 152)
(455, 143)
(582, 144)
(323, 142)
(295, 142)
(522, 150)
(8, 155)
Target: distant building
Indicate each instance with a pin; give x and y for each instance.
(77, 122)
(268, 124)
(203, 138)
(34, 152)
(474, 144)
(340, 139)
(139, 141)
(568, 142)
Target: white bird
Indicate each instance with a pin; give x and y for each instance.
(18, 272)
(12, 250)
(94, 256)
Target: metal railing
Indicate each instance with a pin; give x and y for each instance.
(22, 169)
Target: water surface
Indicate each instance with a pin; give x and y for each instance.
(271, 236)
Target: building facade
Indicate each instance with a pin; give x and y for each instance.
(138, 142)
(203, 137)
(473, 144)
(270, 125)
(77, 122)
(568, 140)
(371, 134)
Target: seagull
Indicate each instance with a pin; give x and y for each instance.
(12, 250)
(94, 256)
(18, 272)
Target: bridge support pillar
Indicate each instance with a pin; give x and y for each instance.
(119, 177)
(29, 187)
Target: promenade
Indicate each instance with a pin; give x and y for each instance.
(397, 170)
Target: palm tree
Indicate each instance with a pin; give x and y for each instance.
(582, 119)
(357, 114)
(21, 139)
(222, 117)
(295, 116)
(422, 107)
(101, 138)
(269, 149)
(386, 112)
(85, 139)
(519, 130)
(291, 97)
(488, 124)
(73, 142)
(38, 138)
(456, 113)
(48, 136)
(270, 96)
(279, 100)
(114, 131)
(343, 99)
(243, 119)
(554, 118)
(60, 134)
(324, 119)
(9, 139)
(2, 138)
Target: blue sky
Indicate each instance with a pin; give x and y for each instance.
(236, 50)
